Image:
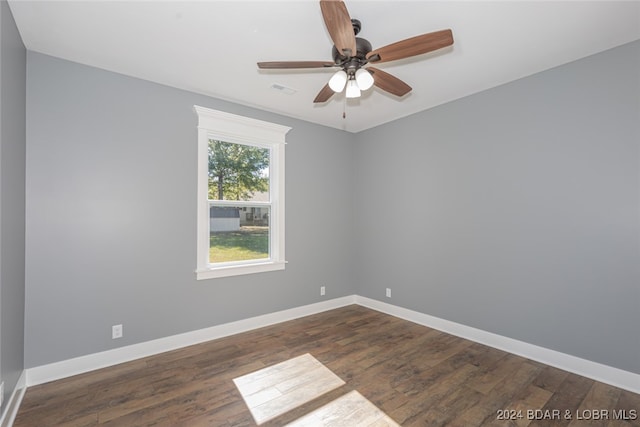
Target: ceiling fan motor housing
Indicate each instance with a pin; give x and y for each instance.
(362, 48)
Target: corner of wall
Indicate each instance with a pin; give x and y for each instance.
(13, 404)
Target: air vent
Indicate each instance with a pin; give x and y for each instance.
(283, 89)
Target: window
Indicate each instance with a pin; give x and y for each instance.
(240, 195)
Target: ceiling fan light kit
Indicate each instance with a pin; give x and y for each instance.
(364, 79)
(351, 54)
(338, 81)
(353, 91)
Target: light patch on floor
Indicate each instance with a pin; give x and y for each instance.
(277, 389)
(350, 410)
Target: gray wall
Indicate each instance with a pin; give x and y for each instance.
(111, 215)
(12, 203)
(516, 210)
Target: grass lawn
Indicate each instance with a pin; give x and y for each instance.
(244, 244)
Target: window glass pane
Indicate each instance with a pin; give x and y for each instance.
(241, 176)
(238, 233)
(238, 172)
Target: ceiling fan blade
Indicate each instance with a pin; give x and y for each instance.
(278, 65)
(324, 94)
(412, 46)
(338, 23)
(389, 83)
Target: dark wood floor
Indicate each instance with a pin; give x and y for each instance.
(416, 375)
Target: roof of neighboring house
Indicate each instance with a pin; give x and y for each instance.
(261, 196)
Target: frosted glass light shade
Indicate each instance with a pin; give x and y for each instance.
(337, 81)
(364, 79)
(353, 91)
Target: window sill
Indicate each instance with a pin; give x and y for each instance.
(237, 270)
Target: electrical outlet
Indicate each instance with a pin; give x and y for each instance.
(388, 292)
(322, 290)
(116, 331)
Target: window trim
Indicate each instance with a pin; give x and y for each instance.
(213, 124)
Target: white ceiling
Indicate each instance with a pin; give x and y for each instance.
(211, 47)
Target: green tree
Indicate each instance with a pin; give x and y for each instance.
(236, 171)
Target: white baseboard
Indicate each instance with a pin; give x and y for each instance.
(82, 364)
(586, 368)
(599, 372)
(13, 404)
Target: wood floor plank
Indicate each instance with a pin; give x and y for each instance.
(592, 411)
(416, 375)
(531, 398)
(566, 400)
(434, 390)
(502, 396)
(627, 410)
(447, 408)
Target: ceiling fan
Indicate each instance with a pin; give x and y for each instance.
(351, 54)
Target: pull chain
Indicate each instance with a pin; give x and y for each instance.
(344, 108)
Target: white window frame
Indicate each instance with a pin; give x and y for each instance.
(213, 124)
